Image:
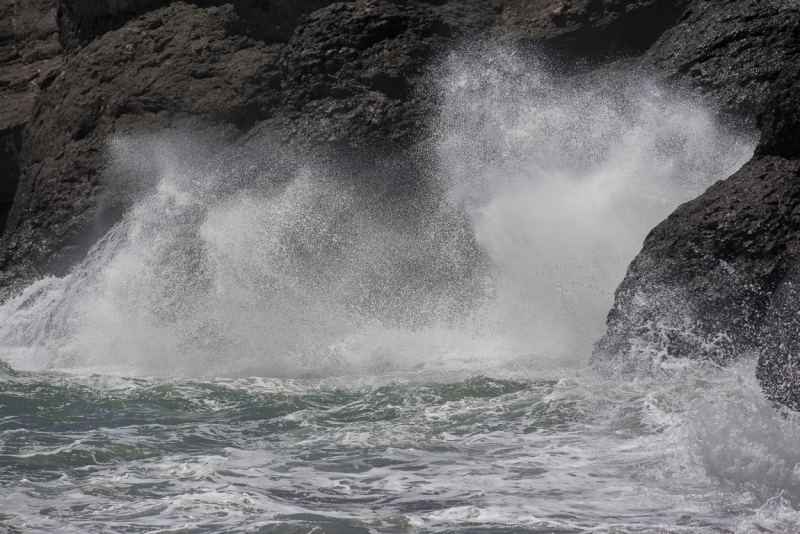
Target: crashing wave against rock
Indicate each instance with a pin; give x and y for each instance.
(714, 280)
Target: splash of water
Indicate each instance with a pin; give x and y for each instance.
(538, 191)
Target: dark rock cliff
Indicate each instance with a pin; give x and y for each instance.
(779, 334)
(716, 279)
(78, 72)
(590, 29)
(731, 50)
(177, 67)
(29, 53)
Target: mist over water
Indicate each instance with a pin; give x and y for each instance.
(535, 194)
(419, 326)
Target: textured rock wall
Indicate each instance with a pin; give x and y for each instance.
(29, 51)
(779, 335)
(269, 20)
(594, 28)
(703, 281)
(177, 67)
(711, 282)
(731, 50)
(348, 73)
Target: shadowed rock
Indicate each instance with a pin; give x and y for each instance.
(178, 67)
(29, 55)
(349, 73)
(272, 21)
(730, 50)
(779, 338)
(717, 278)
(598, 29)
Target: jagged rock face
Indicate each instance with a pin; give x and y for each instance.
(195, 69)
(778, 368)
(704, 279)
(601, 28)
(178, 67)
(719, 277)
(352, 71)
(731, 50)
(779, 119)
(272, 21)
(29, 51)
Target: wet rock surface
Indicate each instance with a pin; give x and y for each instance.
(730, 50)
(180, 67)
(779, 118)
(779, 334)
(591, 28)
(29, 53)
(704, 280)
(778, 368)
(715, 279)
(77, 73)
(719, 277)
(271, 21)
(351, 72)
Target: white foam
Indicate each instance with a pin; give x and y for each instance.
(546, 187)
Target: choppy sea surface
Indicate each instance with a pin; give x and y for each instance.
(272, 340)
(683, 450)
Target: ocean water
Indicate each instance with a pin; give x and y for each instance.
(295, 341)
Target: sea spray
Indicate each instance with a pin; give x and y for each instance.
(562, 180)
(433, 315)
(535, 194)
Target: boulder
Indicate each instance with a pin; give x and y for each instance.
(713, 280)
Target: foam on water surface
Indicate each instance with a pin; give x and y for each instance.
(272, 341)
(403, 453)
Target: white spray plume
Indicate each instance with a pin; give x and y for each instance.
(543, 191)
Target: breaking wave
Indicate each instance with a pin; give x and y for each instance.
(500, 242)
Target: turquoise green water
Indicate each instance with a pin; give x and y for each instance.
(440, 452)
(423, 357)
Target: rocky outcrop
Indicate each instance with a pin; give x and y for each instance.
(704, 279)
(272, 21)
(599, 29)
(730, 50)
(29, 53)
(352, 71)
(348, 73)
(178, 67)
(779, 335)
(716, 279)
